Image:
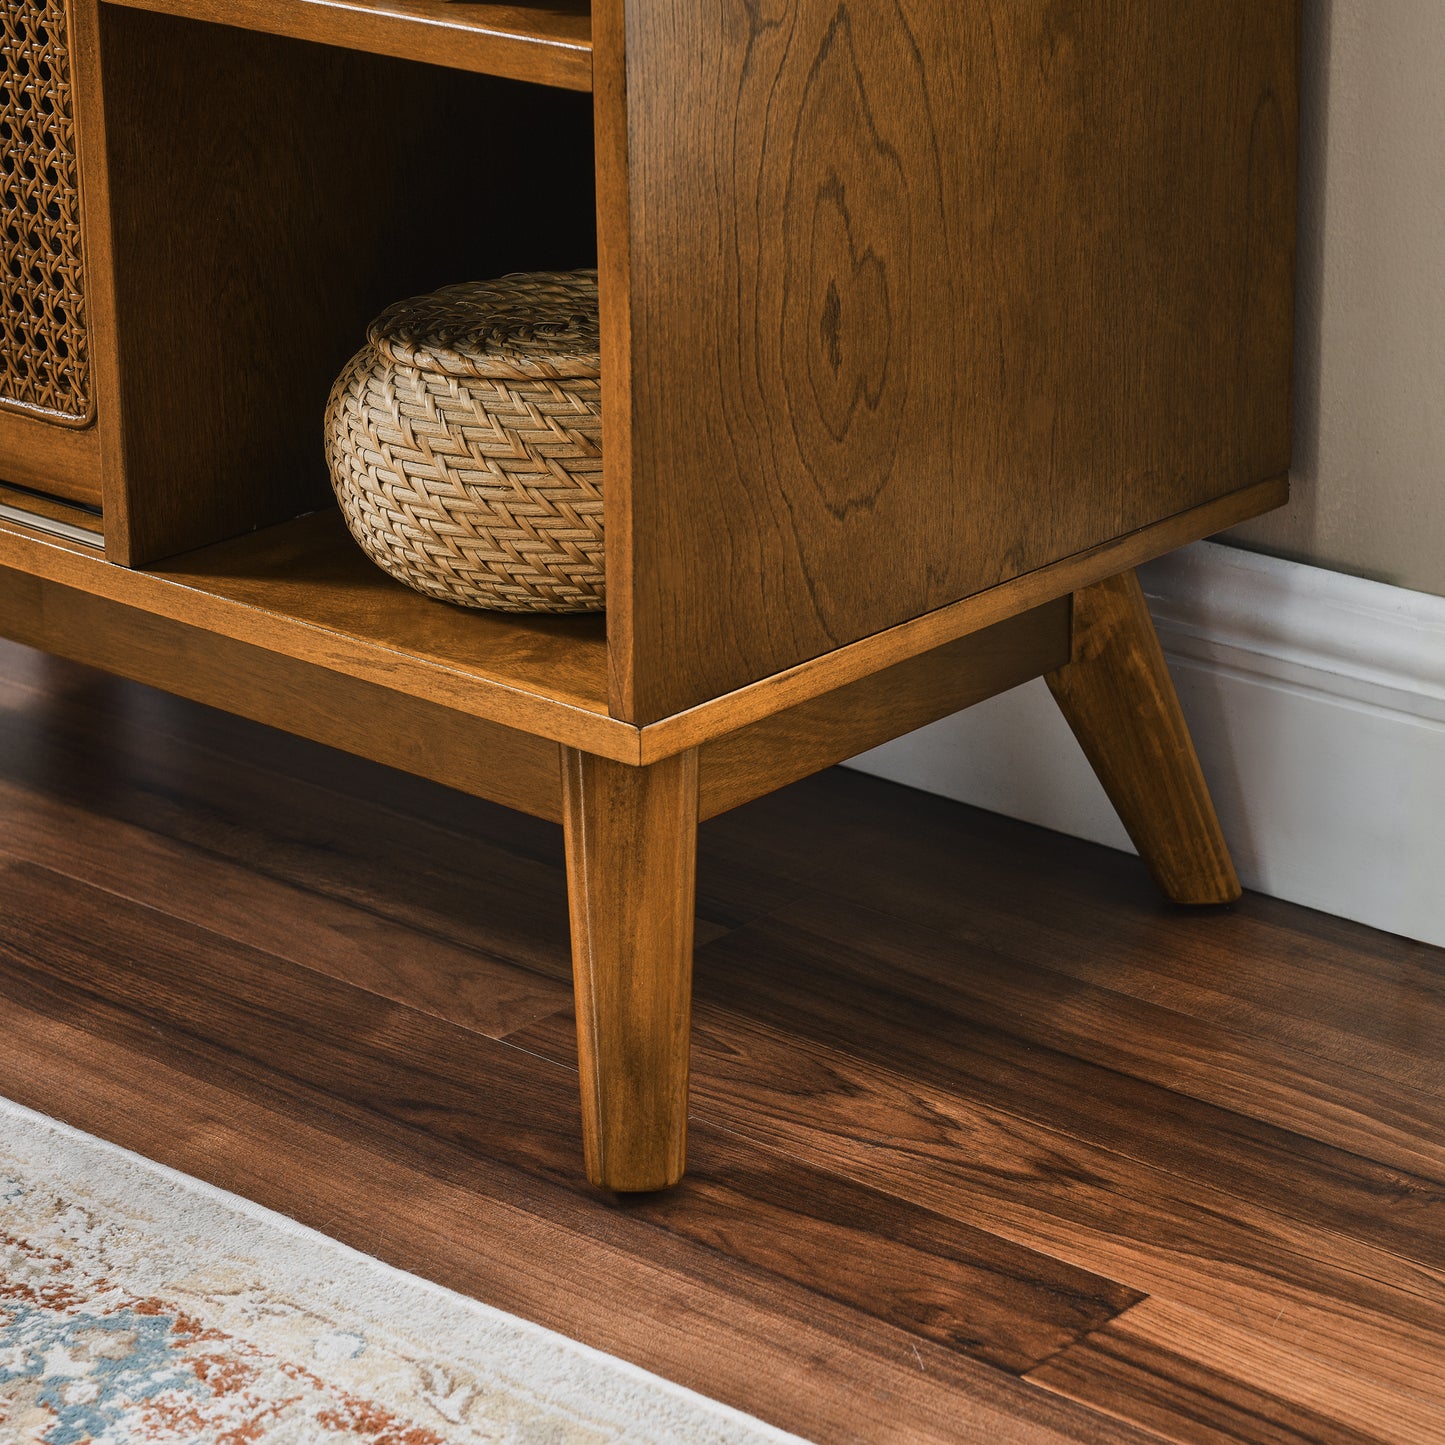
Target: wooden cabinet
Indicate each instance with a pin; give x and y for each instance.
(922, 325)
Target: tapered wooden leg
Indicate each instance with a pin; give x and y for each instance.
(1120, 701)
(631, 868)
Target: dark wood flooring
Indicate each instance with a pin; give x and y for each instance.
(988, 1142)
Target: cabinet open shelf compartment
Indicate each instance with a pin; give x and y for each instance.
(308, 577)
(258, 230)
(303, 590)
(548, 43)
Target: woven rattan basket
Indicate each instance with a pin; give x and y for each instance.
(465, 444)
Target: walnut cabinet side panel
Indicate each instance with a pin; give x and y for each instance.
(907, 299)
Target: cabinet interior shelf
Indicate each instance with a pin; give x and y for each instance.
(548, 43)
(304, 589)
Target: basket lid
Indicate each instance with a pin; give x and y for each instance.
(535, 323)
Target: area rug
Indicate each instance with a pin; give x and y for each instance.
(142, 1307)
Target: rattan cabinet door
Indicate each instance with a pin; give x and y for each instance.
(44, 349)
(48, 443)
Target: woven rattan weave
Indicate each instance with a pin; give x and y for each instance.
(465, 444)
(44, 358)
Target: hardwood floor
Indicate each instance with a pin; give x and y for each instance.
(987, 1143)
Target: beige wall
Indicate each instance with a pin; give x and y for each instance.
(1369, 474)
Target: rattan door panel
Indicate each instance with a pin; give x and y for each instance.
(44, 347)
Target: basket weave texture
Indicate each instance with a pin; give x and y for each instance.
(44, 348)
(465, 444)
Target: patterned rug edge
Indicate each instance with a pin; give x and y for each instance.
(137, 1302)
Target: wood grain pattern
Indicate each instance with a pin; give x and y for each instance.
(310, 572)
(1037, 1045)
(305, 591)
(631, 876)
(1367, 1001)
(344, 940)
(1332, 1389)
(514, 768)
(945, 1285)
(810, 1370)
(1118, 698)
(1137, 1380)
(210, 783)
(57, 460)
(266, 897)
(246, 267)
(611, 132)
(813, 735)
(859, 659)
(105, 747)
(549, 43)
(1377, 1012)
(1297, 1284)
(952, 1113)
(963, 1090)
(909, 316)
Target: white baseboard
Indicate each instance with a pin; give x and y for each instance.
(1317, 702)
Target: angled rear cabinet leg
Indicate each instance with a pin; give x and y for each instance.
(631, 867)
(1118, 698)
